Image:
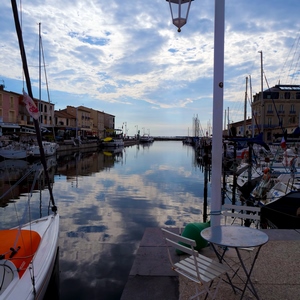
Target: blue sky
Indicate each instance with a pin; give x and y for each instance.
(127, 59)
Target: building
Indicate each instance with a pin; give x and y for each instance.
(69, 122)
(277, 111)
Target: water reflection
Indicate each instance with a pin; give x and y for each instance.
(107, 199)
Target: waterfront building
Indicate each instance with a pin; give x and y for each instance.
(71, 121)
(276, 114)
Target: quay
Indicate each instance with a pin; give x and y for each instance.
(69, 147)
(275, 275)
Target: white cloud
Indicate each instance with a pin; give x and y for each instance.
(126, 58)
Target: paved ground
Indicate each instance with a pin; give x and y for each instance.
(276, 274)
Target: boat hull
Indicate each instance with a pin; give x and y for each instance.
(283, 213)
(19, 285)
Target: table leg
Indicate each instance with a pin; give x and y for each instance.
(248, 274)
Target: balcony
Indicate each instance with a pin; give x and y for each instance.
(292, 112)
(281, 112)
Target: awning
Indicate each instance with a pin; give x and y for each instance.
(9, 125)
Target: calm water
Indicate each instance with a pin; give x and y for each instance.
(105, 203)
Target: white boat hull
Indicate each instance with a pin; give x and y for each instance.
(17, 287)
(49, 149)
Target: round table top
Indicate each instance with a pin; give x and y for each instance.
(234, 236)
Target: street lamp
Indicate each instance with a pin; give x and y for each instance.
(218, 92)
(179, 12)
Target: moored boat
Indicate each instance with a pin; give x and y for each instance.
(114, 138)
(15, 150)
(50, 149)
(283, 213)
(28, 251)
(27, 254)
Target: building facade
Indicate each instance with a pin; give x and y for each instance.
(71, 121)
(277, 111)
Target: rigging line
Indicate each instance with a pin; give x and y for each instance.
(46, 79)
(37, 174)
(295, 70)
(280, 122)
(29, 89)
(292, 61)
(286, 62)
(17, 183)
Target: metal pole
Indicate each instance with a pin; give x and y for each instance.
(216, 195)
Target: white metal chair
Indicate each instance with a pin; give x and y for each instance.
(196, 267)
(242, 212)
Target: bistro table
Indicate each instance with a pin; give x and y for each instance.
(236, 237)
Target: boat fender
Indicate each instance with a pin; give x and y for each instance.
(192, 231)
(267, 175)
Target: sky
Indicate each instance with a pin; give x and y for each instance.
(127, 59)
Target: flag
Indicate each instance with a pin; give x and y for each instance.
(283, 143)
(30, 105)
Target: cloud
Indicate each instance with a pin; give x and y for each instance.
(114, 57)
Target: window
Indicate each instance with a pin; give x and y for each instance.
(269, 121)
(281, 108)
(11, 102)
(292, 108)
(11, 116)
(269, 110)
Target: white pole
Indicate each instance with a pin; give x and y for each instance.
(217, 112)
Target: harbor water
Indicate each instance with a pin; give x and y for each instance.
(105, 201)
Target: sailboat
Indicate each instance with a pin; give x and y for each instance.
(28, 251)
(50, 148)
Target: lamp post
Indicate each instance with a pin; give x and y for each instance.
(215, 209)
(180, 9)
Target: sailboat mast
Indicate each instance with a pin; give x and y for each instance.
(29, 89)
(262, 113)
(40, 72)
(245, 107)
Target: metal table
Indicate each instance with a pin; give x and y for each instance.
(236, 237)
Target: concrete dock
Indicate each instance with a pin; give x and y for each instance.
(276, 275)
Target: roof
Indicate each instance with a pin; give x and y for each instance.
(284, 87)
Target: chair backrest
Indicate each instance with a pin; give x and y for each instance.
(186, 245)
(242, 212)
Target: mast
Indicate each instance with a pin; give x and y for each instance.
(262, 114)
(245, 107)
(29, 89)
(40, 74)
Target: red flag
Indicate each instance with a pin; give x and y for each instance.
(30, 105)
(283, 143)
